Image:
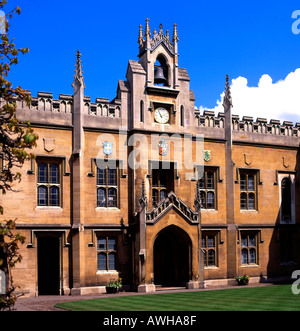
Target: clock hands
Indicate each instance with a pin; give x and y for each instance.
(160, 114)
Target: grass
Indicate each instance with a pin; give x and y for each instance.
(269, 298)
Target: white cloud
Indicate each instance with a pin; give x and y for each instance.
(279, 100)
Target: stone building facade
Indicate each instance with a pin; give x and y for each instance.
(147, 188)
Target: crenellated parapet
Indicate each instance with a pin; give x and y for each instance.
(45, 102)
(208, 119)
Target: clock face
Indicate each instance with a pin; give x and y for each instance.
(161, 115)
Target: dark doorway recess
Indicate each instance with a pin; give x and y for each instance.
(172, 257)
(48, 265)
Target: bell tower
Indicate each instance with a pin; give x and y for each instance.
(158, 55)
(160, 98)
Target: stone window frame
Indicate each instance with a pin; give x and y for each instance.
(207, 248)
(48, 161)
(107, 187)
(257, 182)
(249, 247)
(107, 251)
(162, 188)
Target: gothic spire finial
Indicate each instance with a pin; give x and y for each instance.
(78, 70)
(147, 30)
(227, 97)
(141, 38)
(175, 34)
(161, 32)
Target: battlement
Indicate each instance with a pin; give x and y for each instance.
(46, 103)
(247, 124)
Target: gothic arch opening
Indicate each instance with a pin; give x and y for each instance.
(161, 71)
(172, 257)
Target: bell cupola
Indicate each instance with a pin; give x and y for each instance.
(158, 54)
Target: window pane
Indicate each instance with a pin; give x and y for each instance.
(244, 241)
(202, 182)
(210, 180)
(155, 197)
(250, 183)
(243, 183)
(42, 196)
(202, 199)
(243, 201)
(252, 256)
(251, 201)
(154, 177)
(102, 261)
(101, 197)
(252, 242)
(54, 174)
(112, 197)
(112, 177)
(244, 256)
(100, 176)
(111, 244)
(42, 173)
(211, 258)
(211, 241)
(210, 200)
(101, 244)
(203, 242)
(163, 177)
(163, 194)
(112, 261)
(54, 196)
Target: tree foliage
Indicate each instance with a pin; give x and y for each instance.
(16, 140)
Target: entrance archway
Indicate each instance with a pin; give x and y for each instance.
(172, 257)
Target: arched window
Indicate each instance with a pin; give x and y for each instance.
(111, 261)
(54, 196)
(244, 256)
(102, 261)
(101, 197)
(112, 197)
(211, 258)
(286, 199)
(251, 201)
(210, 200)
(252, 255)
(42, 196)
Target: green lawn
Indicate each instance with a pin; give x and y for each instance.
(272, 298)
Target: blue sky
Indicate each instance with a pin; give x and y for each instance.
(240, 38)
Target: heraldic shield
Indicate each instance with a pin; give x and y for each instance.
(107, 148)
(207, 156)
(163, 148)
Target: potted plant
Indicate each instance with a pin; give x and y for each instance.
(242, 280)
(114, 286)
